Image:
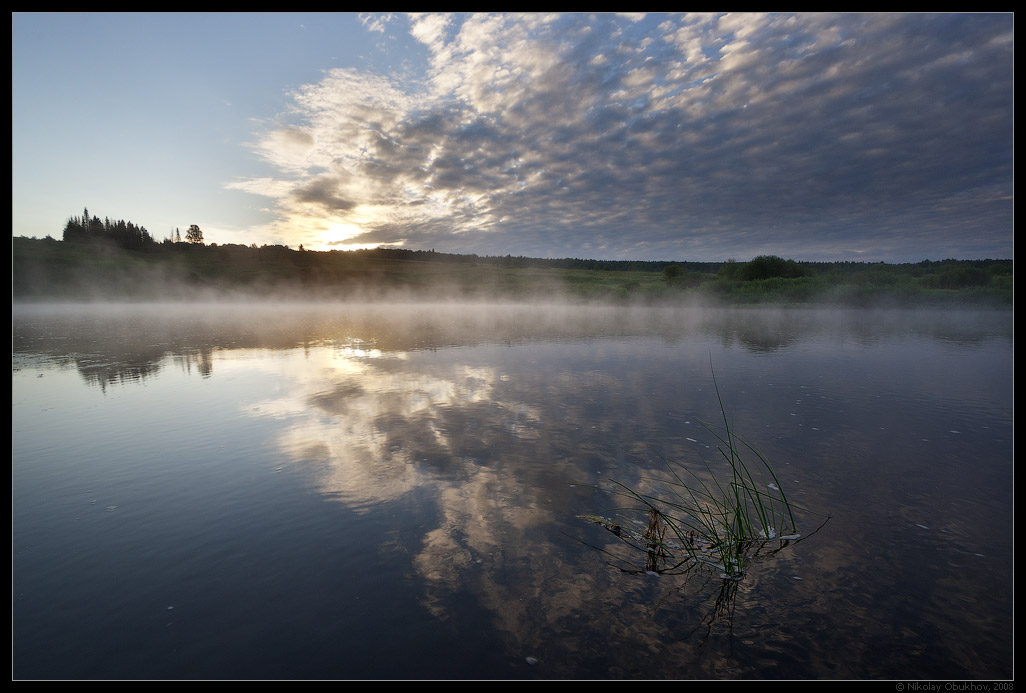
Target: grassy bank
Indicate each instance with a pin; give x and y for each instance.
(48, 269)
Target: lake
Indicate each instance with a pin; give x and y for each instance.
(395, 492)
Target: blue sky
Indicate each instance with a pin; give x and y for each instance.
(609, 136)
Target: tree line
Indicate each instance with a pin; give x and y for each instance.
(946, 274)
(121, 234)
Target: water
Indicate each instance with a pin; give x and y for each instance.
(393, 492)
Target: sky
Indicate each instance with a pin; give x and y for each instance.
(689, 137)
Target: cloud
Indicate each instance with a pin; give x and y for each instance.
(376, 22)
(323, 191)
(429, 29)
(691, 136)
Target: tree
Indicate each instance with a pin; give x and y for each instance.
(194, 235)
(672, 272)
(678, 276)
(769, 266)
(729, 269)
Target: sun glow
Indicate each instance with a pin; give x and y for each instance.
(340, 233)
(335, 238)
(353, 246)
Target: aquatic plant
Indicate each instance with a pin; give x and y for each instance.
(700, 518)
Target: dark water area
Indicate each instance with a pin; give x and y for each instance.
(395, 492)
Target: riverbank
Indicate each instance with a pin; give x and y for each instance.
(46, 269)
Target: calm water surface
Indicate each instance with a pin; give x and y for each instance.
(393, 491)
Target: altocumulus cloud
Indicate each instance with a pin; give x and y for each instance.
(819, 136)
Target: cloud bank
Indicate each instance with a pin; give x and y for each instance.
(813, 136)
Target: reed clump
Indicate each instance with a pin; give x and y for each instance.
(721, 521)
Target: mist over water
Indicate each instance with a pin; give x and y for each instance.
(392, 489)
(412, 323)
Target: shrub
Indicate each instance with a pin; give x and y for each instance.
(957, 278)
(770, 266)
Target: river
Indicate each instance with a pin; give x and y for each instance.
(396, 491)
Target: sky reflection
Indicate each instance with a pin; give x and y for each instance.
(480, 439)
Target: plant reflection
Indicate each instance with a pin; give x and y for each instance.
(649, 553)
